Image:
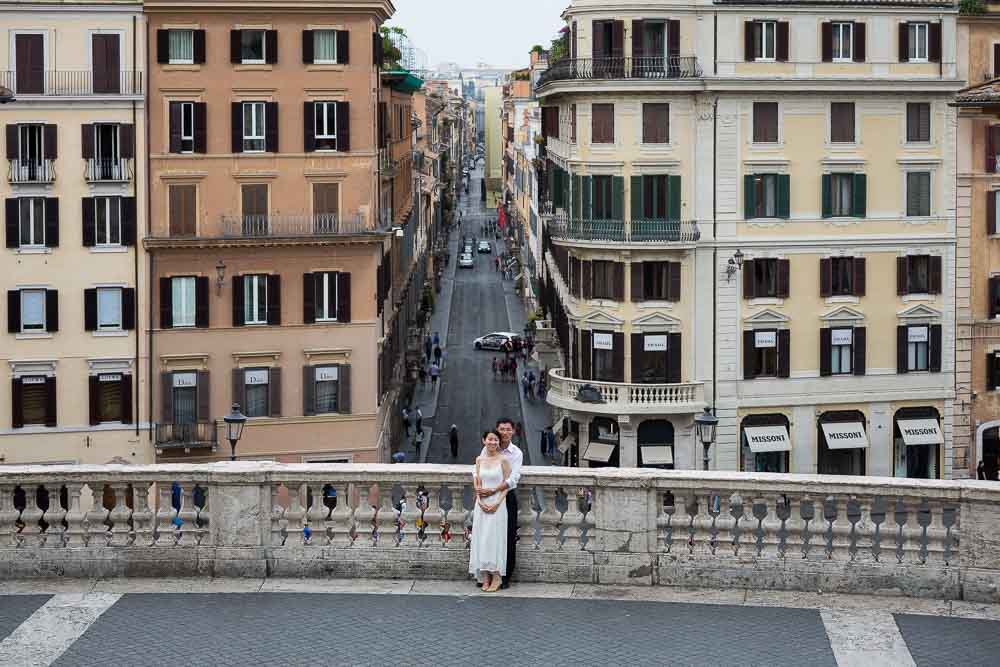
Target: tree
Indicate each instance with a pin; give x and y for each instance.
(391, 36)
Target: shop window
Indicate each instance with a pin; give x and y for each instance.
(842, 443)
(917, 442)
(764, 443)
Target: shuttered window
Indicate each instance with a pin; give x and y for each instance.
(661, 281)
(326, 207)
(918, 121)
(765, 122)
(655, 123)
(842, 122)
(919, 274)
(918, 193)
(605, 277)
(764, 40)
(252, 47)
(34, 401)
(182, 209)
(603, 123)
(253, 127)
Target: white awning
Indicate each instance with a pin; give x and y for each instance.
(845, 435)
(599, 452)
(921, 431)
(764, 439)
(658, 456)
(566, 443)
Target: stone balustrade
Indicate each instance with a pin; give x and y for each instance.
(624, 398)
(644, 527)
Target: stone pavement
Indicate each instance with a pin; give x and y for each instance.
(177, 622)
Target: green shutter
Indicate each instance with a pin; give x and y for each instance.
(617, 197)
(565, 187)
(749, 207)
(860, 195)
(576, 197)
(551, 179)
(784, 195)
(636, 212)
(587, 190)
(673, 198)
(827, 195)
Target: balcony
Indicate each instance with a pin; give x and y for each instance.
(108, 170)
(291, 226)
(622, 68)
(622, 398)
(22, 172)
(624, 231)
(201, 435)
(72, 83)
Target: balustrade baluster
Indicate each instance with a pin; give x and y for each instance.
(119, 517)
(364, 517)
(456, 518)
(433, 519)
(409, 532)
(808, 514)
(860, 534)
(724, 524)
(98, 532)
(316, 517)
(548, 519)
(936, 532)
(54, 532)
(31, 533)
(758, 510)
(950, 521)
(664, 520)
(187, 514)
(341, 521)
(924, 538)
(572, 520)
(76, 531)
(386, 520)
(142, 515)
(278, 521)
(841, 530)
(8, 516)
(166, 533)
(742, 525)
(791, 539)
(295, 515)
(772, 526)
(203, 519)
(526, 516)
(909, 533)
(703, 521)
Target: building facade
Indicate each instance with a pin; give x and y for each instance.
(74, 213)
(753, 211)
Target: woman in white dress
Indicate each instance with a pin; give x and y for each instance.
(488, 557)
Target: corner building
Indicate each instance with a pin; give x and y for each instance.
(266, 248)
(752, 210)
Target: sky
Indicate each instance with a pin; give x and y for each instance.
(469, 31)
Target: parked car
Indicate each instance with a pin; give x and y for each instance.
(494, 341)
(484, 246)
(465, 261)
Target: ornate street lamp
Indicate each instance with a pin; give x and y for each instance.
(706, 423)
(235, 421)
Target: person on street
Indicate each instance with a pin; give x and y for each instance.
(526, 385)
(435, 371)
(512, 454)
(423, 375)
(495, 368)
(453, 441)
(437, 354)
(420, 420)
(428, 347)
(513, 368)
(407, 421)
(418, 441)
(498, 263)
(437, 339)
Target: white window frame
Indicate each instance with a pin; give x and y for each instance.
(316, 384)
(187, 114)
(254, 133)
(913, 351)
(837, 30)
(256, 385)
(253, 286)
(109, 292)
(842, 355)
(178, 309)
(33, 243)
(326, 297)
(767, 28)
(22, 130)
(180, 61)
(107, 223)
(320, 118)
(336, 54)
(844, 180)
(44, 323)
(263, 46)
(919, 36)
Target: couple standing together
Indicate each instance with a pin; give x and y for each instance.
(494, 524)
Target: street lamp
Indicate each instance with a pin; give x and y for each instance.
(235, 421)
(706, 423)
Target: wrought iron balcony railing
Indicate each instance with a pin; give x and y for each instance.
(31, 171)
(287, 226)
(72, 83)
(187, 436)
(108, 170)
(625, 231)
(620, 67)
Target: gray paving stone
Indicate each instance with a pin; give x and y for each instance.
(15, 609)
(295, 629)
(934, 640)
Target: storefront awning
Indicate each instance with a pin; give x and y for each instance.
(921, 431)
(845, 435)
(599, 452)
(566, 443)
(764, 439)
(658, 456)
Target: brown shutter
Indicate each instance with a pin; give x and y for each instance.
(637, 42)
(343, 126)
(859, 277)
(236, 126)
(935, 274)
(13, 143)
(901, 342)
(89, 231)
(200, 126)
(162, 46)
(784, 278)
(166, 398)
(343, 297)
(175, 126)
(271, 126)
(307, 47)
(12, 222)
(991, 371)
(51, 222)
(637, 288)
(271, 46)
(308, 390)
(901, 276)
(574, 277)
(235, 46)
(586, 352)
(87, 141)
(618, 356)
(166, 304)
(343, 47)
(274, 300)
(674, 359)
(344, 389)
(748, 279)
(586, 280)
(991, 148)
(51, 310)
(826, 41)
(239, 299)
(617, 39)
(934, 42)
(860, 47)
(994, 303)
(748, 50)
(128, 215)
(13, 311)
(860, 344)
(991, 211)
(239, 387)
(308, 298)
(94, 399)
(637, 357)
(201, 303)
(825, 351)
(749, 371)
(51, 141)
(996, 60)
(128, 308)
(825, 277)
(784, 353)
(309, 124)
(781, 51)
(674, 281)
(618, 289)
(274, 391)
(90, 310)
(126, 141)
(904, 42)
(51, 408)
(934, 354)
(16, 404)
(199, 47)
(126, 390)
(204, 392)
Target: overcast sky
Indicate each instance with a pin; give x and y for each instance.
(499, 32)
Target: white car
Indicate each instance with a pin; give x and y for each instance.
(484, 246)
(465, 261)
(494, 341)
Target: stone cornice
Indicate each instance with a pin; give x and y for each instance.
(382, 10)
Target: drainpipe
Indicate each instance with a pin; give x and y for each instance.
(149, 267)
(135, 249)
(715, 250)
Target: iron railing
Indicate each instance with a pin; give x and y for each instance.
(620, 67)
(625, 231)
(31, 171)
(292, 226)
(68, 83)
(108, 170)
(199, 434)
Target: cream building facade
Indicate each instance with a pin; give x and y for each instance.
(754, 212)
(74, 209)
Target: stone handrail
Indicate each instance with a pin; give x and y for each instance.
(686, 528)
(621, 396)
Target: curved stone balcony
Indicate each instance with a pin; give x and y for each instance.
(924, 538)
(619, 398)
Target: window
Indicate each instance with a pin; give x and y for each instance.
(918, 42)
(841, 351)
(252, 47)
(253, 127)
(765, 122)
(326, 297)
(181, 46)
(765, 353)
(255, 299)
(32, 221)
(326, 126)
(918, 121)
(255, 209)
(29, 150)
(605, 278)
(256, 393)
(764, 36)
(917, 348)
(32, 310)
(842, 194)
(656, 280)
(918, 274)
(324, 46)
(107, 221)
(842, 122)
(842, 38)
(765, 195)
(326, 207)
(109, 403)
(603, 123)
(655, 123)
(765, 277)
(603, 199)
(185, 395)
(183, 301)
(109, 309)
(842, 276)
(918, 193)
(182, 203)
(34, 401)
(603, 357)
(187, 127)
(327, 381)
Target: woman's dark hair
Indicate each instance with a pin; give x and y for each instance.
(493, 431)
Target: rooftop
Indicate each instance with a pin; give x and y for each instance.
(983, 93)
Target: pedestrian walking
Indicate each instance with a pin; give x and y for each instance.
(437, 339)
(435, 371)
(498, 263)
(428, 347)
(513, 368)
(437, 354)
(453, 441)
(420, 420)
(423, 375)
(525, 385)
(418, 441)
(407, 421)
(495, 368)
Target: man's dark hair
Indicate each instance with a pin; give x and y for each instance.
(505, 420)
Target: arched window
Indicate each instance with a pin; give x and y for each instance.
(917, 443)
(655, 438)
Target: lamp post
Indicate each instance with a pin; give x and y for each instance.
(235, 421)
(706, 423)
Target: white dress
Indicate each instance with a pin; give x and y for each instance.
(489, 531)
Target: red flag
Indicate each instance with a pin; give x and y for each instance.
(503, 220)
